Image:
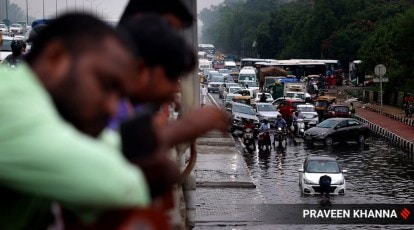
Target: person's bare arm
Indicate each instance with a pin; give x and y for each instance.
(193, 125)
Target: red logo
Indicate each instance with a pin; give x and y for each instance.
(405, 213)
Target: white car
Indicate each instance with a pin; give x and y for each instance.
(266, 111)
(308, 113)
(314, 167)
(4, 29)
(231, 89)
(16, 28)
(269, 97)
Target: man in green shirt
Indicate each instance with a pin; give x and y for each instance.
(76, 72)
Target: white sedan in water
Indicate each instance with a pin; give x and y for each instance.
(316, 166)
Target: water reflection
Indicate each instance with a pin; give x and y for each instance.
(377, 172)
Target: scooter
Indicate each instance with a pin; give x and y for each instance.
(264, 141)
(248, 140)
(302, 127)
(280, 136)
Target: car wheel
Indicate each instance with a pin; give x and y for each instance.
(361, 139)
(328, 141)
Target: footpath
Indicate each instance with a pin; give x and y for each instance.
(225, 188)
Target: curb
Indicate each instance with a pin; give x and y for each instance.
(392, 137)
(404, 120)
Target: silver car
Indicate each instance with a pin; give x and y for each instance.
(308, 113)
(239, 112)
(316, 166)
(266, 111)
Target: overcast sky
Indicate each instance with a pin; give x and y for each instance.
(108, 8)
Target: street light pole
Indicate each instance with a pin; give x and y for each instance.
(43, 9)
(7, 11)
(27, 11)
(56, 9)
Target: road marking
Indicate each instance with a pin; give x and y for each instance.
(212, 99)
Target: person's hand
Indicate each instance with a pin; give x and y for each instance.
(212, 118)
(159, 170)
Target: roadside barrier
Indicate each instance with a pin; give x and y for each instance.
(396, 140)
(405, 120)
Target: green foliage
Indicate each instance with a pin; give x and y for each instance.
(370, 30)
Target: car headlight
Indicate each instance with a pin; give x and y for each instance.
(307, 181)
(322, 134)
(237, 118)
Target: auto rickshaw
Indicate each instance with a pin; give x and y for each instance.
(322, 103)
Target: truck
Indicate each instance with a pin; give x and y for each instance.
(295, 90)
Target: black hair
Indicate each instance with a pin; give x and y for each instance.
(175, 7)
(16, 47)
(78, 32)
(161, 45)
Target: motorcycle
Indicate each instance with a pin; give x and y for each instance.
(280, 136)
(264, 141)
(302, 127)
(248, 140)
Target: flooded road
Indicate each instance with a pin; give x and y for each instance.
(377, 172)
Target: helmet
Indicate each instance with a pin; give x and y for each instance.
(265, 121)
(279, 116)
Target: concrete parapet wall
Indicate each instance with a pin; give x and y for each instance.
(396, 140)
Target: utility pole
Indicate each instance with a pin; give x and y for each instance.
(43, 9)
(56, 9)
(7, 11)
(27, 12)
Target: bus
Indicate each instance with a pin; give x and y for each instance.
(208, 48)
(332, 66)
(252, 61)
(300, 68)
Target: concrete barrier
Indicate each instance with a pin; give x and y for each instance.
(396, 140)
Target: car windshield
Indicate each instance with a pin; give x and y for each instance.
(250, 84)
(343, 109)
(15, 25)
(233, 90)
(328, 124)
(229, 98)
(322, 166)
(266, 107)
(243, 109)
(321, 103)
(6, 45)
(306, 109)
(217, 79)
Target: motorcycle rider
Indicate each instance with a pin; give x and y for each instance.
(295, 119)
(248, 124)
(265, 127)
(280, 122)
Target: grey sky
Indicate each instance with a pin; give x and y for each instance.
(107, 8)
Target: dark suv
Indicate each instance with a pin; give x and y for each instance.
(337, 111)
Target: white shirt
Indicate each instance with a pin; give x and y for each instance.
(204, 91)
